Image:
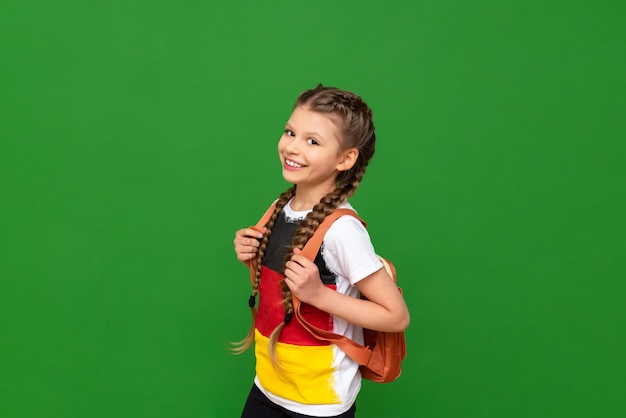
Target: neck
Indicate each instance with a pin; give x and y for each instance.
(305, 198)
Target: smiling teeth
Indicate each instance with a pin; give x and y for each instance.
(293, 164)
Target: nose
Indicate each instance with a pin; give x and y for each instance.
(292, 146)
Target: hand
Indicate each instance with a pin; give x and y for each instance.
(303, 278)
(247, 243)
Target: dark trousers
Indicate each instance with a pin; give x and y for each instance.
(258, 406)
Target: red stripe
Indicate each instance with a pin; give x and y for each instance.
(271, 313)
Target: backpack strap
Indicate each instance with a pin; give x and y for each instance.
(315, 242)
(356, 351)
(265, 218)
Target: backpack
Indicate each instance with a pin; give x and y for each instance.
(381, 355)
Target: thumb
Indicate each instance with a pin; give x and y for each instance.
(297, 251)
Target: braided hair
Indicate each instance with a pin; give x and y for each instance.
(353, 120)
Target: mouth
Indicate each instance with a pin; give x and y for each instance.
(293, 164)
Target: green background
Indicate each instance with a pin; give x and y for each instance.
(136, 136)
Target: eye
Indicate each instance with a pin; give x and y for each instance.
(312, 141)
(289, 132)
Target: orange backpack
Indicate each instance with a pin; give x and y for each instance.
(381, 355)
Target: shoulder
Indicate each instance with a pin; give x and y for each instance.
(348, 224)
(349, 250)
(347, 231)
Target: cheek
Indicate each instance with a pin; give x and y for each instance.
(281, 144)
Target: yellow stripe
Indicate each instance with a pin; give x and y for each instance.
(305, 373)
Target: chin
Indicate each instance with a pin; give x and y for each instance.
(289, 177)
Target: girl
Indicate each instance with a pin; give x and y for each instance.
(324, 150)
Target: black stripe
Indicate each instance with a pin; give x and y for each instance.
(282, 234)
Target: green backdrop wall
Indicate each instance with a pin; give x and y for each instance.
(136, 136)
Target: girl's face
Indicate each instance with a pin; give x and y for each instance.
(310, 150)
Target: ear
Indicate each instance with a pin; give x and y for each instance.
(348, 159)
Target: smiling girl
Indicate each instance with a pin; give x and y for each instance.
(324, 151)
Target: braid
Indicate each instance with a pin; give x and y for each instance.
(241, 346)
(305, 231)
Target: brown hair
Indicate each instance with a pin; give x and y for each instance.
(353, 120)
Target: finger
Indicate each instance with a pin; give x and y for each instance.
(294, 267)
(250, 232)
(242, 257)
(292, 277)
(300, 259)
(258, 232)
(251, 242)
(246, 249)
(241, 241)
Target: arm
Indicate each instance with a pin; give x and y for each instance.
(385, 309)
